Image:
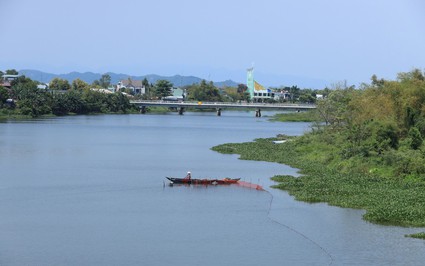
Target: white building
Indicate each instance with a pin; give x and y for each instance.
(135, 86)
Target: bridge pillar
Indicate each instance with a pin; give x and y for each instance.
(181, 110)
(218, 111)
(258, 113)
(143, 110)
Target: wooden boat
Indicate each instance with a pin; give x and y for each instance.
(227, 181)
(206, 181)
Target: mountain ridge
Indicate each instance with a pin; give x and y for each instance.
(89, 77)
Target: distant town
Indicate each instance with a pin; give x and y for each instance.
(28, 96)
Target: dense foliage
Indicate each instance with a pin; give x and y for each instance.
(237, 94)
(61, 99)
(381, 126)
(204, 92)
(368, 153)
(162, 88)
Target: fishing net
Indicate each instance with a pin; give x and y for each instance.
(249, 185)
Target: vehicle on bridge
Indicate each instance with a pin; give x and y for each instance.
(179, 99)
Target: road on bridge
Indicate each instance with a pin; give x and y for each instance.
(218, 106)
(286, 106)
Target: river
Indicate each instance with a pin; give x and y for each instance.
(91, 190)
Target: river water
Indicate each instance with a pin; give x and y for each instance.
(91, 190)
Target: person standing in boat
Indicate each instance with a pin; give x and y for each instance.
(188, 176)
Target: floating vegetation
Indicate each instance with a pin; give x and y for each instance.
(388, 201)
(420, 235)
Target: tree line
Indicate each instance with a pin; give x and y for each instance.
(378, 127)
(79, 97)
(61, 98)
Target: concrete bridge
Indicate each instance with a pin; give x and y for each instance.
(219, 106)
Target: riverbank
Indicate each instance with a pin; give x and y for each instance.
(6, 114)
(387, 201)
(304, 116)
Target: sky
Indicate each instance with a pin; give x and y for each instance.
(309, 43)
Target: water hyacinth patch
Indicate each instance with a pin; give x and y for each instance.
(388, 201)
(420, 235)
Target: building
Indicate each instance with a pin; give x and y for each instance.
(282, 95)
(177, 95)
(135, 86)
(6, 80)
(42, 86)
(256, 91)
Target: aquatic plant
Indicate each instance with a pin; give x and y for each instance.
(420, 235)
(388, 201)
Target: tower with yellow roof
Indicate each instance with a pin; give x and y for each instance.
(255, 89)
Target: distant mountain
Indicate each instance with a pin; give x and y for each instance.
(89, 77)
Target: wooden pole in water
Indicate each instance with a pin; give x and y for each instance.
(218, 111)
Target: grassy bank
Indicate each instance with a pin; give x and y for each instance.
(8, 114)
(157, 110)
(387, 201)
(304, 116)
(17, 116)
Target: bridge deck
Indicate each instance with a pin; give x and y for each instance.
(216, 105)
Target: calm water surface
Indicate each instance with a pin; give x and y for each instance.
(89, 190)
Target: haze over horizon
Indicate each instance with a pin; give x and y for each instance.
(315, 42)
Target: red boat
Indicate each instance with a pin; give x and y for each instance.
(206, 181)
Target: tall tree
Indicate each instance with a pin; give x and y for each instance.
(105, 81)
(294, 93)
(147, 85)
(204, 92)
(4, 95)
(333, 109)
(12, 72)
(163, 88)
(242, 88)
(78, 84)
(59, 84)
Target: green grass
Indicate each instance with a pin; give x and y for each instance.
(388, 201)
(8, 114)
(303, 116)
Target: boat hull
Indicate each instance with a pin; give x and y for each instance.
(206, 181)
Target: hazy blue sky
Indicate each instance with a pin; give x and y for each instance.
(329, 40)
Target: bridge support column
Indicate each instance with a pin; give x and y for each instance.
(143, 110)
(218, 111)
(181, 110)
(258, 113)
